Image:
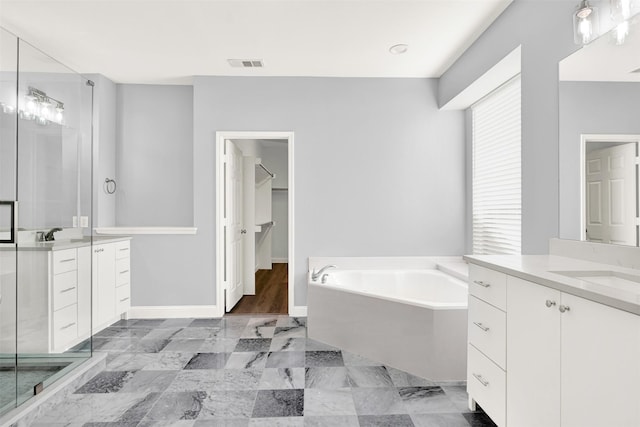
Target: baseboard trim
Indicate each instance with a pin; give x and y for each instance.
(280, 260)
(173, 311)
(192, 311)
(298, 311)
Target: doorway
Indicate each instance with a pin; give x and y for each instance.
(610, 189)
(254, 222)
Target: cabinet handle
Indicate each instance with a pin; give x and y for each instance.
(124, 249)
(481, 283)
(124, 271)
(482, 380)
(67, 260)
(67, 290)
(481, 326)
(124, 299)
(550, 303)
(563, 308)
(67, 326)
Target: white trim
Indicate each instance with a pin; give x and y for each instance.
(219, 150)
(173, 311)
(507, 68)
(279, 260)
(145, 230)
(584, 138)
(298, 311)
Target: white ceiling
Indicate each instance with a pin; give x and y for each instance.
(603, 60)
(169, 41)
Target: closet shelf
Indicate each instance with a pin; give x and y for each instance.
(262, 173)
(264, 226)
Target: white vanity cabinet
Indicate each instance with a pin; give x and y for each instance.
(111, 283)
(572, 362)
(56, 299)
(569, 361)
(599, 364)
(486, 358)
(64, 299)
(123, 277)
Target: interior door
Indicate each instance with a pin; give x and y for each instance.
(234, 231)
(611, 195)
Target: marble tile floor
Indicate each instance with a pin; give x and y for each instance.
(248, 371)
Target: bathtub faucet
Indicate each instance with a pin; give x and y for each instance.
(315, 274)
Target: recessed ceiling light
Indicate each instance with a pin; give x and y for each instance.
(398, 49)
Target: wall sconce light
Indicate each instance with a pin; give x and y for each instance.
(40, 107)
(586, 23)
(621, 12)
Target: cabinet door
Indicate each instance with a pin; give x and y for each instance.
(533, 354)
(600, 365)
(104, 279)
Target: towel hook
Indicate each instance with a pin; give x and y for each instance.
(110, 189)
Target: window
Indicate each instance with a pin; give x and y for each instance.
(496, 187)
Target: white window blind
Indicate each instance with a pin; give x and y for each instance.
(497, 201)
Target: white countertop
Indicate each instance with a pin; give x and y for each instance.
(58, 245)
(539, 269)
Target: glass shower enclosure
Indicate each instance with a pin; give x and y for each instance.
(45, 193)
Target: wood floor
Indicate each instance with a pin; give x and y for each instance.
(271, 293)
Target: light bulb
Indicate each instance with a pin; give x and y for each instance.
(585, 23)
(585, 30)
(621, 32)
(45, 110)
(59, 116)
(32, 107)
(621, 10)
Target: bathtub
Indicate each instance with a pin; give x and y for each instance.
(413, 319)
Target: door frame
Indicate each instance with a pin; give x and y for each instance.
(220, 283)
(584, 138)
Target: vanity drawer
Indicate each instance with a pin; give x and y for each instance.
(488, 285)
(123, 273)
(486, 384)
(65, 326)
(122, 249)
(63, 261)
(65, 289)
(487, 330)
(123, 298)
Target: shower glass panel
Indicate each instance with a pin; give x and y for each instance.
(8, 146)
(45, 172)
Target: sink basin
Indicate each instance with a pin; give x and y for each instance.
(606, 278)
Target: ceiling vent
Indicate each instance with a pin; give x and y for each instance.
(246, 63)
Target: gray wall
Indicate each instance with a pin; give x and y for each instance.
(544, 30)
(379, 170)
(155, 188)
(155, 157)
(104, 150)
(589, 108)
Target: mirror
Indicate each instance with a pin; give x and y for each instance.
(599, 104)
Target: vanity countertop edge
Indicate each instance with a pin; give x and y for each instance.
(539, 269)
(69, 244)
